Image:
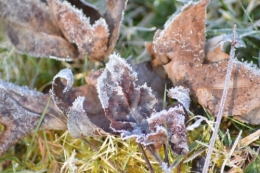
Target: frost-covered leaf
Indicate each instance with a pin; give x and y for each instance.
(183, 42)
(90, 39)
(172, 123)
(215, 48)
(79, 122)
(134, 110)
(32, 29)
(181, 94)
(20, 111)
(88, 9)
(114, 16)
(183, 35)
(124, 102)
(81, 105)
(147, 75)
(59, 30)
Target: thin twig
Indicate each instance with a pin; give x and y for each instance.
(146, 159)
(222, 102)
(153, 152)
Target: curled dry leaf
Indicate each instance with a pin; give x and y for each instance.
(81, 105)
(134, 111)
(20, 111)
(183, 42)
(59, 30)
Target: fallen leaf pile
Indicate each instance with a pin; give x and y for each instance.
(121, 99)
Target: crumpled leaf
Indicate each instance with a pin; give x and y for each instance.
(20, 111)
(134, 111)
(81, 105)
(183, 42)
(59, 30)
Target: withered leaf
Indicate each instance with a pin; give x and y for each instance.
(134, 111)
(183, 42)
(81, 105)
(20, 111)
(88, 9)
(58, 30)
(32, 30)
(90, 39)
(146, 74)
(114, 17)
(215, 47)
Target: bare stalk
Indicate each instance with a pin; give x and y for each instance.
(222, 102)
(146, 159)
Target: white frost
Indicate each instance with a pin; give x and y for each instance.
(66, 74)
(68, 59)
(116, 66)
(101, 85)
(250, 66)
(195, 124)
(78, 104)
(116, 60)
(181, 94)
(166, 168)
(21, 90)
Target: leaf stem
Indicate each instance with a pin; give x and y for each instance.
(146, 159)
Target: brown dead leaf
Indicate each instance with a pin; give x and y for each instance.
(32, 30)
(59, 30)
(157, 60)
(20, 112)
(146, 74)
(183, 41)
(214, 49)
(88, 9)
(90, 39)
(114, 17)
